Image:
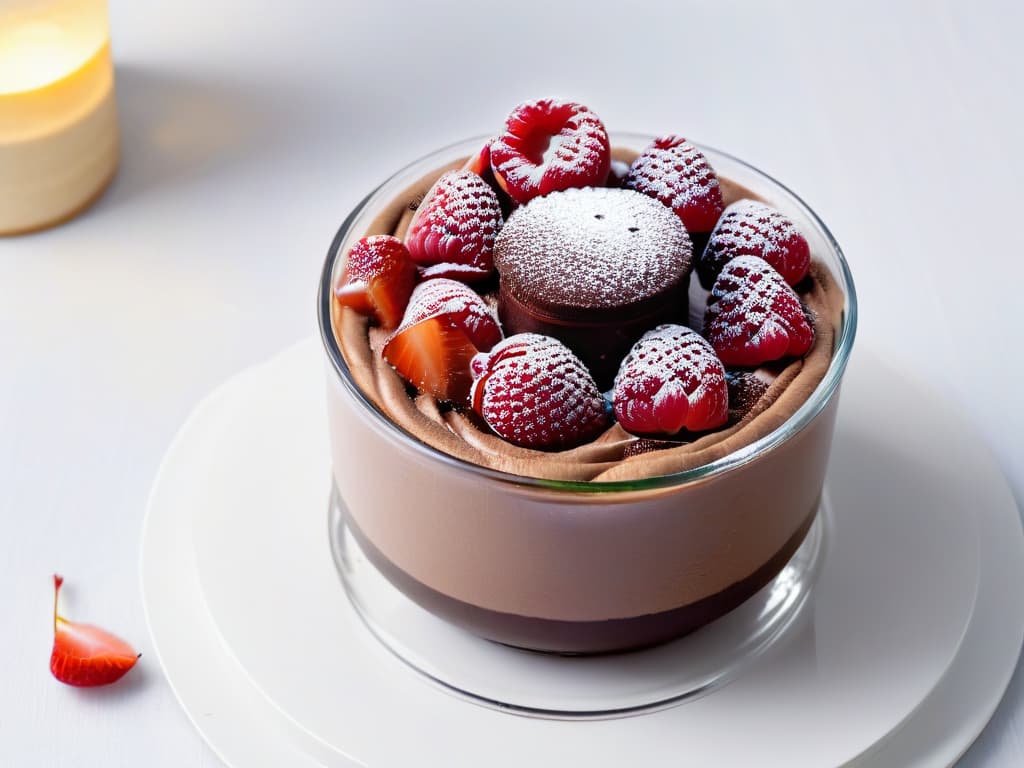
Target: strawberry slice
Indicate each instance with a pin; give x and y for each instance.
(445, 325)
(452, 234)
(671, 381)
(534, 392)
(84, 655)
(377, 280)
(480, 163)
(549, 146)
(750, 228)
(434, 356)
(753, 316)
(675, 173)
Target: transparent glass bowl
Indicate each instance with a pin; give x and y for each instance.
(578, 567)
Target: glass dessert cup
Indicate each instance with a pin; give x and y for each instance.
(577, 567)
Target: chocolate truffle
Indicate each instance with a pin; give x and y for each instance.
(595, 268)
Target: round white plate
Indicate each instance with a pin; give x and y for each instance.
(893, 603)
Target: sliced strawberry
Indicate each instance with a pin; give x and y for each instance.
(753, 316)
(84, 655)
(534, 392)
(670, 381)
(676, 173)
(480, 163)
(452, 234)
(434, 356)
(445, 325)
(460, 305)
(750, 228)
(377, 280)
(548, 146)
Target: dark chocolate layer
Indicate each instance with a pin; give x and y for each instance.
(582, 637)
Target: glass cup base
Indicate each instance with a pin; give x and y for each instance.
(573, 687)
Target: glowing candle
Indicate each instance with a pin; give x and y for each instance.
(58, 119)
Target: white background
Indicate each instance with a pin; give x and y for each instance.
(251, 129)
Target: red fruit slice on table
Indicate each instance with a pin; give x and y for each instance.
(84, 655)
(753, 316)
(445, 325)
(534, 392)
(750, 228)
(550, 145)
(378, 279)
(671, 381)
(452, 234)
(676, 173)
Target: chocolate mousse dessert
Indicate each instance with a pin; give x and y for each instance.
(529, 311)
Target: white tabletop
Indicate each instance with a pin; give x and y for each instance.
(251, 129)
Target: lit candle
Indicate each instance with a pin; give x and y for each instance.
(58, 119)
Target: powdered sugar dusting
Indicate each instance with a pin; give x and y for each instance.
(591, 248)
(750, 228)
(753, 316)
(464, 272)
(456, 225)
(676, 173)
(534, 392)
(671, 380)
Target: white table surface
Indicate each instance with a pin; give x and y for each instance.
(251, 129)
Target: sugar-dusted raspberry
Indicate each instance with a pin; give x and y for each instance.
(534, 392)
(377, 279)
(548, 146)
(753, 316)
(750, 228)
(452, 234)
(670, 381)
(676, 173)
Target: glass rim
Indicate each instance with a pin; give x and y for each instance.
(801, 418)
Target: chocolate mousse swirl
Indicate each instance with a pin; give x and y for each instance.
(613, 456)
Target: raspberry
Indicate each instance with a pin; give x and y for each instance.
(549, 146)
(753, 316)
(676, 173)
(670, 381)
(750, 228)
(452, 234)
(534, 392)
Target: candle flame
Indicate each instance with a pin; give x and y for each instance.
(39, 47)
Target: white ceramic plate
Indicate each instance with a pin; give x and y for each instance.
(896, 597)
